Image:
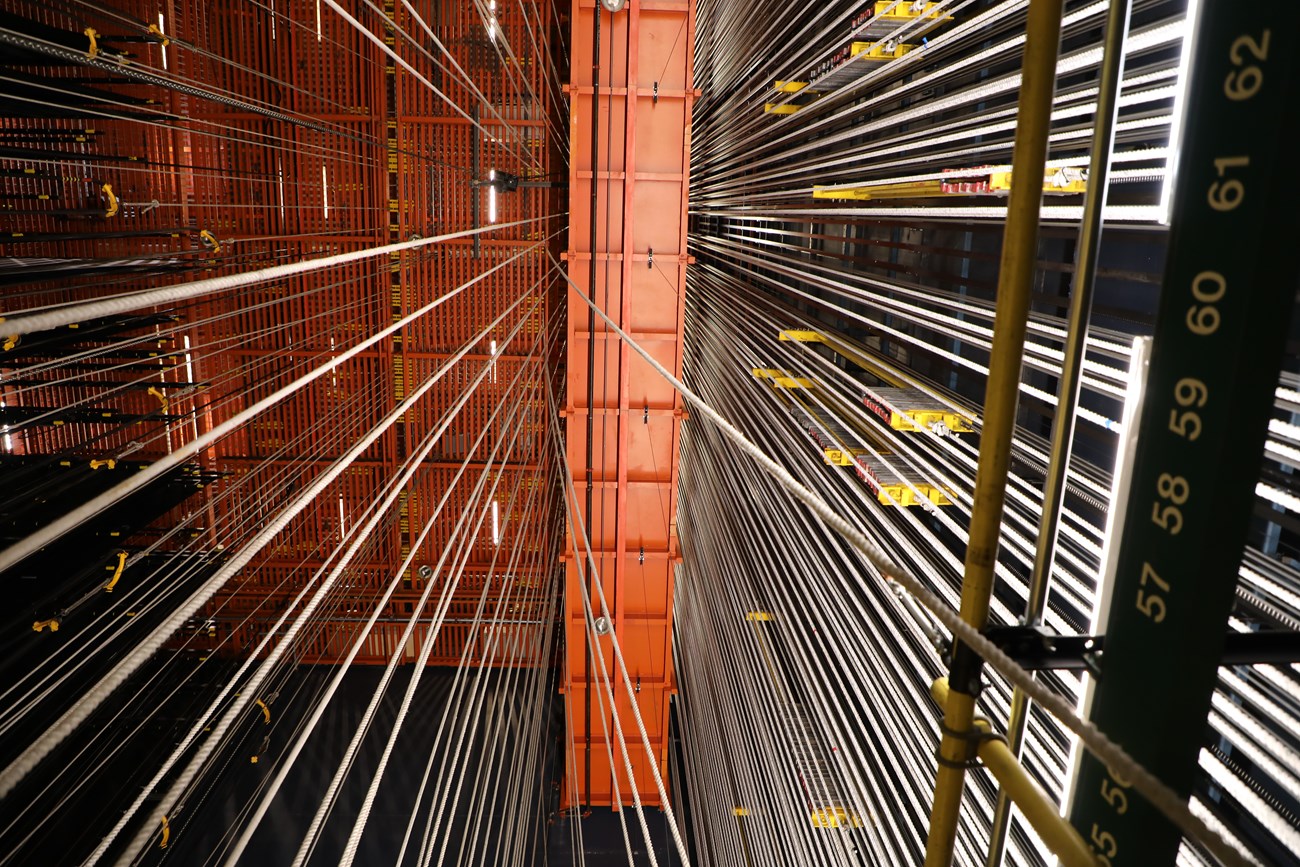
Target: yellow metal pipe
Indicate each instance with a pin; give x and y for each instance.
(1037, 808)
(1015, 285)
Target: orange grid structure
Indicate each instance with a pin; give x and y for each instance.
(342, 153)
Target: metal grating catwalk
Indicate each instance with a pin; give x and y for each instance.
(665, 431)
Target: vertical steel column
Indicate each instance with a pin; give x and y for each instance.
(1085, 275)
(1015, 285)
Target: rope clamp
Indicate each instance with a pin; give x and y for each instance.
(210, 241)
(162, 398)
(93, 35)
(113, 204)
(157, 31)
(52, 623)
(117, 572)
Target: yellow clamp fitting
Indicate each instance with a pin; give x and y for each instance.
(162, 398)
(167, 833)
(210, 241)
(157, 31)
(111, 463)
(266, 711)
(93, 35)
(113, 205)
(12, 341)
(117, 572)
(53, 623)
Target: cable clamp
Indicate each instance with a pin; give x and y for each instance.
(166, 833)
(974, 736)
(12, 341)
(111, 463)
(210, 241)
(157, 31)
(93, 35)
(52, 623)
(971, 737)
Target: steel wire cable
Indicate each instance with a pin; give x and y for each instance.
(284, 767)
(46, 742)
(1095, 741)
(186, 777)
(419, 608)
(16, 552)
(350, 848)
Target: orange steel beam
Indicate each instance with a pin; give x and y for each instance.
(638, 93)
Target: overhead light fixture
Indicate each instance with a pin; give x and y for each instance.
(496, 524)
(162, 31)
(1179, 110)
(492, 196)
(613, 5)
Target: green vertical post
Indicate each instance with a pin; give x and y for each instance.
(1229, 292)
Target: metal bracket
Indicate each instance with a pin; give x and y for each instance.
(1037, 649)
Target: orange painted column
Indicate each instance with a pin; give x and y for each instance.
(629, 185)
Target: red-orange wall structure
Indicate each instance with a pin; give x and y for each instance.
(638, 93)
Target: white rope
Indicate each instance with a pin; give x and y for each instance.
(78, 713)
(250, 690)
(27, 324)
(395, 658)
(78, 516)
(282, 770)
(420, 666)
(578, 530)
(1096, 741)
